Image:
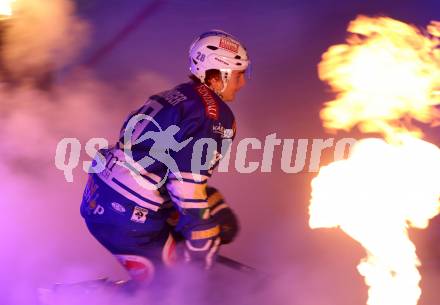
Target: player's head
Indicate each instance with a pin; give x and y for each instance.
(220, 61)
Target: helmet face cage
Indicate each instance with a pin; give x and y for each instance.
(217, 50)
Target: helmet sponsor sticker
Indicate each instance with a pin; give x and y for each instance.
(229, 45)
(222, 61)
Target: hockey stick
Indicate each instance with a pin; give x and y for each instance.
(233, 264)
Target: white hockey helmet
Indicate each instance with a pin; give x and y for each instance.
(217, 50)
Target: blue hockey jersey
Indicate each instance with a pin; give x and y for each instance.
(167, 151)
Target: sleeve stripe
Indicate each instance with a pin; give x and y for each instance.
(219, 208)
(185, 190)
(191, 205)
(187, 199)
(152, 181)
(188, 195)
(143, 173)
(123, 186)
(205, 234)
(191, 176)
(189, 180)
(214, 199)
(213, 206)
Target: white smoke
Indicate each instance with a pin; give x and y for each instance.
(42, 235)
(41, 35)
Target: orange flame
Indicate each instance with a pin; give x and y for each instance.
(6, 7)
(386, 77)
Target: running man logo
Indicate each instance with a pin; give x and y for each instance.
(164, 142)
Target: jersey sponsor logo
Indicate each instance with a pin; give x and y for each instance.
(218, 128)
(92, 204)
(224, 132)
(118, 207)
(139, 215)
(228, 44)
(99, 210)
(90, 193)
(228, 134)
(211, 106)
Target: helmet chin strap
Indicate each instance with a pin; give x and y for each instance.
(225, 80)
(225, 75)
(220, 92)
(224, 86)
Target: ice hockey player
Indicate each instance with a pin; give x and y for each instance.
(161, 165)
